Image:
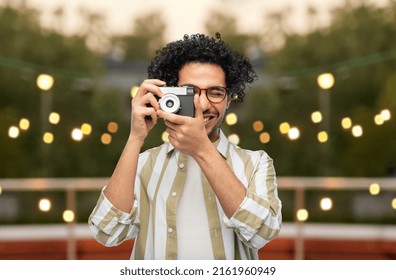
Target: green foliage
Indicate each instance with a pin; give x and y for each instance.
(146, 36)
(358, 47)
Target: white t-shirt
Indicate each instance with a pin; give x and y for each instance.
(192, 223)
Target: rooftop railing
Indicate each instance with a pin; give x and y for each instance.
(296, 229)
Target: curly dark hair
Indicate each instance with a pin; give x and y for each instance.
(204, 49)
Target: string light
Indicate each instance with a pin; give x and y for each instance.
(302, 215)
(105, 138)
(54, 118)
(293, 133)
(357, 131)
(45, 82)
(44, 205)
(134, 91)
(258, 126)
(378, 119)
(165, 137)
(68, 216)
(316, 117)
(86, 128)
(233, 138)
(385, 114)
(48, 137)
(374, 189)
(326, 80)
(265, 137)
(77, 134)
(24, 124)
(231, 119)
(346, 123)
(326, 204)
(323, 136)
(112, 127)
(13, 132)
(284, 127)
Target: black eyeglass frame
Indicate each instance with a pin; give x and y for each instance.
(198, 90)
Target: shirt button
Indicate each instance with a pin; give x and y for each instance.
(170, 230)
(174, 194)
(215, 233)
(181, 165)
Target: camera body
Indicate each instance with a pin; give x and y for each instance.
(178, 100)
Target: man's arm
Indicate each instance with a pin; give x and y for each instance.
(120, 188)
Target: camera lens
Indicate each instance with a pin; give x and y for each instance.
(170, 103)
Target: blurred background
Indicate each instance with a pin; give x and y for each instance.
(323, 108)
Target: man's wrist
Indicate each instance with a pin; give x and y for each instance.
(134, 140)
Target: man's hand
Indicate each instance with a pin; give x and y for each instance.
(186, 134)
(144, 107)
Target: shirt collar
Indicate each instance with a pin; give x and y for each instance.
(221, 145)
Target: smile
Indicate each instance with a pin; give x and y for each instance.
(206, 119)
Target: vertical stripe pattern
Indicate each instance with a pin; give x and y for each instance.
(159, 184)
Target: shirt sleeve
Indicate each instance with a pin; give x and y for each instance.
(258, 219)
(111, 226)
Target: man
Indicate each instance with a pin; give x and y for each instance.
(198, 196)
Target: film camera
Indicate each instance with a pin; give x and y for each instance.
(178, 100)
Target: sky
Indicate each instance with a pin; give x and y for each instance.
(181, 16)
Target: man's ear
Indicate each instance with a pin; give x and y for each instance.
(229, 99)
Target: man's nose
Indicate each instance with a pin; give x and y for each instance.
(205, 103)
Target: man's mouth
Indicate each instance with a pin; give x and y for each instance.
(207, 118)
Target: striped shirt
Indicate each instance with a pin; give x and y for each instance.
(159, 184)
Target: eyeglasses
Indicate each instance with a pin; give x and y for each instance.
(214, 94)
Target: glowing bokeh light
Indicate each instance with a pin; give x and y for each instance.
(326, 204)
(346, 123)
(233, 138)
(231, 119)
(13, 132)
(323, 136)
(68, 216)
(54, 118)
(86, 128)
(294, 133)
(357, 131)
(165, 136)
(302, 215)
(374, 189)
(316, 117)
(265, 137)
(45, 82)
(326, 80)
(48, 138)
(258, 126)
(134, 91)
(394, 203)
(112, 127)
(105, 138)
(386, 115)
(379, 120)
(77, 134)
(44, 205)
(24, 124)
(284, 127)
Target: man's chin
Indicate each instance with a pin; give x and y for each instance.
(213, 134)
